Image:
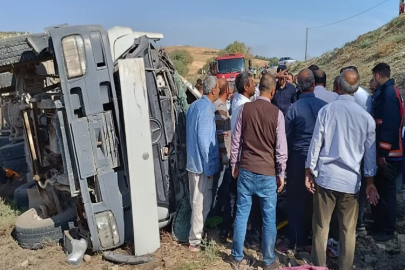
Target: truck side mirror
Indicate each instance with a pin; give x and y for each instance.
(213, 68)
(250, 63)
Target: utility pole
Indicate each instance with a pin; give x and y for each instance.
(306, 45)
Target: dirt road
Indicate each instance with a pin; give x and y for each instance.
(172, 255)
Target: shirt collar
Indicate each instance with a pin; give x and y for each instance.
(346, 97)
(287, 84)
(320, 87)
(307, 95)
(264, 98)
(209, 101)
(242, 98)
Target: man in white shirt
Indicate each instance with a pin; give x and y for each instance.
(245, 86)
(320, 84)
(344, 133)
(362, 96)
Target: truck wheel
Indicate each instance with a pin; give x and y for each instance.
(16, 50)
(31, 231)
(17, 165)
(21, 195)
(4, 140)
(12, 151)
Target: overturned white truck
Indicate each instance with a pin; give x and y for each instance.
(103, 117)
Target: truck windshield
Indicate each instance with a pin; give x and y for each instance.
(231, 65)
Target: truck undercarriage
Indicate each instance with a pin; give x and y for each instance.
(68, 109)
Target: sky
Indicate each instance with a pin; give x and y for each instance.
(269, 27)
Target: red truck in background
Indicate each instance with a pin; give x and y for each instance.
(228, 66)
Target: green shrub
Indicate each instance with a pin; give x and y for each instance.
(181, 67)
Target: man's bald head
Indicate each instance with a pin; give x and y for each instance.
(267, 83)
(306, 80)
(320, 77)
(349, 82)
(223, 86)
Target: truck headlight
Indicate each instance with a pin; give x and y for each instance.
(74, 55)
(107, 229)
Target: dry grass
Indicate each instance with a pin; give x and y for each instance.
(386, 44)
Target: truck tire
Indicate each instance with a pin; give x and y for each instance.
(15, 50)
(12, 151)
(4, 140)
(31, 232)
(21, 195)
(17, 165)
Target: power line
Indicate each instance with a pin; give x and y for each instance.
(351, 17)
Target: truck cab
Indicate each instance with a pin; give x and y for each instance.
(94, 155)
(228, 66)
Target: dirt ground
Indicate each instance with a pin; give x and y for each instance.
(173, 255)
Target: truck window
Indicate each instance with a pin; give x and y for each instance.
(231, 65)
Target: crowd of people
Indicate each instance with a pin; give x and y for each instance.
(336, 151)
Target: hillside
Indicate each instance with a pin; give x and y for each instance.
(386, 44)
(201, 55)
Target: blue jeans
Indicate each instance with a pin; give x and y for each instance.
(265, 187)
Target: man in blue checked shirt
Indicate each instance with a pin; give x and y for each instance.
(202, 158)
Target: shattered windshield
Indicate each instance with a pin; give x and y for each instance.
(231, 65)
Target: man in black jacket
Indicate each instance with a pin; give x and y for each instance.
(388, 112)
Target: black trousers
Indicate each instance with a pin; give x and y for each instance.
(384, 213)
(229, 191)
(299, 200)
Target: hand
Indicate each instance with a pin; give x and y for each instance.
(310, 183)
(210, 177)
(235, 171)
(282, 74)
(372, 194)
(280, 184)
(382, 162)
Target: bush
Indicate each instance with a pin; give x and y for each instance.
(182, 55)
(181, 67)
(181, 60)
(273, 61)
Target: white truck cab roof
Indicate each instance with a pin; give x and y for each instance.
(122, 38)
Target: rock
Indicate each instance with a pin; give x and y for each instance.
(24, 264)
(87, 258)
(169, 262)
(369, 259)
(115, 267)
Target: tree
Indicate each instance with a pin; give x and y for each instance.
(273, 61)
(235, 47)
